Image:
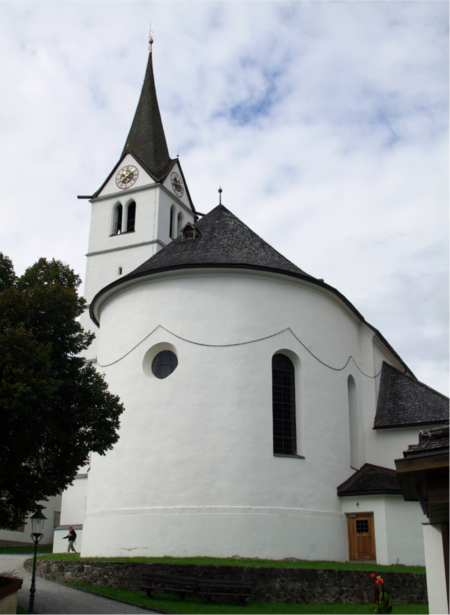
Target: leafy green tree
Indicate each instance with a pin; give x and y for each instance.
(54, 407)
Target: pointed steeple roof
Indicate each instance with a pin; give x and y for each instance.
(146, 140)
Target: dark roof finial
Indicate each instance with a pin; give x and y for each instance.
(220, 196)
(150, 40)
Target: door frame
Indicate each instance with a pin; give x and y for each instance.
(352, 517)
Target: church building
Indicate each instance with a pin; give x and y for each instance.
(263, 413)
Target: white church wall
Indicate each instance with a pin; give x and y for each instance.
(216, 410)
(386, 445)
(435, 563)
(73, 509)
(23, 535)
(74, 501)
(404, 531)
(104, 268)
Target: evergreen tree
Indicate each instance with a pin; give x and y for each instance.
(54, 407)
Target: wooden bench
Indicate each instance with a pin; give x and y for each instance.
(171, 583)
(226, 589)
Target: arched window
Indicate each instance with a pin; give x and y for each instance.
(283, 403)
(353, 424)
(172, 211)
(131, 217)
(117, 220)
(179, 223)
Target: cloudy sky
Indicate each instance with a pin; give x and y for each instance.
(325, 123)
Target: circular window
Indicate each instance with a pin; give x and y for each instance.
(164, 364)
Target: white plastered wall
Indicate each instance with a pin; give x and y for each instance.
(434, 558)
(194, 471)
(73, 509)
(51, 506)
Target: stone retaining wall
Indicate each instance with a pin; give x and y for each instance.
(298, 585)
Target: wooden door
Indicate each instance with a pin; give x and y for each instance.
(361, 536)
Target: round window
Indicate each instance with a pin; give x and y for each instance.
(164, 364)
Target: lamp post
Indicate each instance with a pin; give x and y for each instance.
(37, 525)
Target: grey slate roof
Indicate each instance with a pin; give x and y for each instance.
(146, 140)
(223, 240)
(435, 441)
(404, 402)
(371, 480)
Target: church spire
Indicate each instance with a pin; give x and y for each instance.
(146, 140)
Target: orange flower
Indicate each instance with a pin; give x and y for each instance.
(379, 580)
(372, 574)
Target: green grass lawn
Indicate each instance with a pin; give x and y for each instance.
(26, 549)
(215, 561)
(172, 604)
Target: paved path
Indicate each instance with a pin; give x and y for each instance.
(57, 598)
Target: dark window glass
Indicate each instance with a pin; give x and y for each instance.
(171, 223)
(164, 364)
(131, 217)
(189, 232)
(283, 398)
(362, 526)
(118, 224)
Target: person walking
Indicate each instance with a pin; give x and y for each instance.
(72, 536)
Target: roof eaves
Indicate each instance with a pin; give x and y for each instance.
(305, 277)
(417, 424)
(360, 492)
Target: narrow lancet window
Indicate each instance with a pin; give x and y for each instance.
(117, 228)
(131, 218)
(353, 424)
(283, 400)
(171, 222)
(179, 223)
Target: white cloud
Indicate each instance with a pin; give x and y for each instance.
(326, 124)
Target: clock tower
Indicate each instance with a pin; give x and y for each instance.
(141, 206)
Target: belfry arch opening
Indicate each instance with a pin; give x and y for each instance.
(117, 219)
(131, 217)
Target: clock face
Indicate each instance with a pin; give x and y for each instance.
(177, 184)
(126, 177)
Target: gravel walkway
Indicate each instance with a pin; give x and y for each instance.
(55, 597)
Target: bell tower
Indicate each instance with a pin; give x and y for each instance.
(142, 204)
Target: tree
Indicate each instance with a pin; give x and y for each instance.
(54, 407)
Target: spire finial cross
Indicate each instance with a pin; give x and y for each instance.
(150, 39)
(220, 196)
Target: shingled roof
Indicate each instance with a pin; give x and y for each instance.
(404, 402)
(146, 140)
(432, 442)
(371, 480)
(223, 240)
